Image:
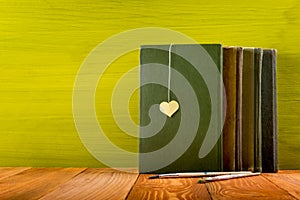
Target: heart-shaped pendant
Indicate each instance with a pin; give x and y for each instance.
(168, 108)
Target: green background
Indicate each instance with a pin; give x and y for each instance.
(43, 43)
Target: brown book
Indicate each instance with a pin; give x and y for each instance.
(229, 129)
(248, 110)
(238, 124)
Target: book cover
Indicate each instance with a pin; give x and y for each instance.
(248, 110)
(258, 56)
(239, 81)
(191, 139)
(269, 112)
(229, 129)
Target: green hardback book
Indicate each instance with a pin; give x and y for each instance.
(229, 129)
(269, 112)
(248, 109)
(191, 139)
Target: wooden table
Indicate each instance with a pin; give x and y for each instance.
(92, 183)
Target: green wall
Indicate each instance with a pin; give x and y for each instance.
(43, 44)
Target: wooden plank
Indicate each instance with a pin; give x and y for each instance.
(256, 187)
(78, 183)
(35, 182)
(10, 171)
(95, 184)
(287, 180)
(171, 188)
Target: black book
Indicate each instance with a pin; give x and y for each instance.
(269, 112)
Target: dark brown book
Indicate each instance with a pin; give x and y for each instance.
(229, 105)
(248, 110)
(269, 112)
(238, 124)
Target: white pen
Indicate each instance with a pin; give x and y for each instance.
(196, 174)
(225, 177)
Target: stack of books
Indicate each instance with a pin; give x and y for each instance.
(216, 128)
(250, 128)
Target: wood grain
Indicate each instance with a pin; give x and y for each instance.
(10, 171)
(256, 187)
(287, 180)
(103, 183)
(177, 188)
(35, 182)
(95, 184)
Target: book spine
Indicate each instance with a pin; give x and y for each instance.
(269, 112)
(239, 80)
(229, 133)
(248, 110)
(258, 55)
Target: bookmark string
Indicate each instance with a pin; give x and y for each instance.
(170, 107)
(169, 77)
